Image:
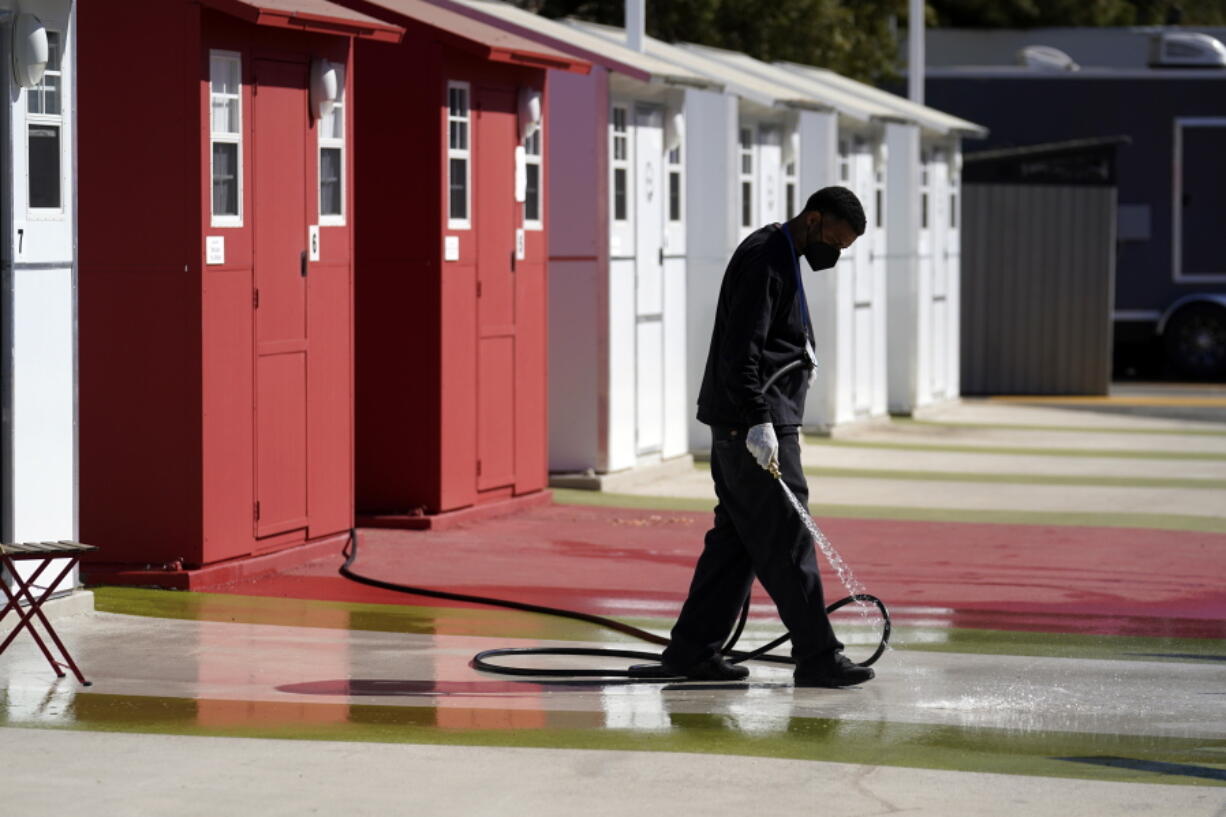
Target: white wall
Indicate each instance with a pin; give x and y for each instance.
(902, 268)
(712, 231)
(39, 294)
(578, 234)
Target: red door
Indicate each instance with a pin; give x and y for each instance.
(495, 233)
(280, 196)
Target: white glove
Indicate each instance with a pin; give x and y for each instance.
(811, 356)
(763, 444)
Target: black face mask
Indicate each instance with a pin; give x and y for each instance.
(822, 256)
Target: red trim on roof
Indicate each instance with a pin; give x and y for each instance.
(252, 12)
(478, 37)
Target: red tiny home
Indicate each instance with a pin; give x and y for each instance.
(216, 281)
(451, 309)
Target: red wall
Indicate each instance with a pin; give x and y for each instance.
(417, 332)
(139, 282)
(166, 361)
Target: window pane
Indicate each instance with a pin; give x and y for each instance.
(746, 204)
(458, 187)
(225, 115)
(225, 179)
(619, 194)
(453, 103)
(461, 136)
(223, 71)
(747, 163)
(34, 100)
(674, 196)
(674, 156)
(880, 207)
(532, 145)
(924, 211)
(953, 210)
(453, 134)
(619, 120)
(746, 138)
(332, 126)
(791, 199)
(532, 193)
(53, 51)
(51, 94)
(619, 147)
(330, 182)
(44, 166)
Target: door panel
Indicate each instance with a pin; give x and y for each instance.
(280, 197)
(1204, 200)
(649, 338)
(494, 194)
(649, 278)
(281, 462)
(496, 412)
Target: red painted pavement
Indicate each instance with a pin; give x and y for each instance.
(637, 563)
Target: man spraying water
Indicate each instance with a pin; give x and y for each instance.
(762, 324)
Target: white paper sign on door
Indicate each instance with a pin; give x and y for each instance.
(215, 249)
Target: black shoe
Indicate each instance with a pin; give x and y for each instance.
(838, 671)
(715, 668)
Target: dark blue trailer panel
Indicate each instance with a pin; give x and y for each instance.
(1172, 182)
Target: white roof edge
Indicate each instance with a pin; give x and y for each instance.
(863, 113)
(557, 34)
(924, 115)
(761, 96)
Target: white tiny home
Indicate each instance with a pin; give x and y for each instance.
(618, 251)
(38, 294)
(923, 197)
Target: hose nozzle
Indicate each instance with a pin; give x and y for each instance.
(773, 470)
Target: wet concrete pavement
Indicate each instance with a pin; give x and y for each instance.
(1060, 619)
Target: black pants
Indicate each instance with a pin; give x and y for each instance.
(757, 532)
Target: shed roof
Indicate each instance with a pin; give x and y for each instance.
(734, 80)
(595, 49)
(845, 102)
(928, 118)
(475, 35)
(309, 15)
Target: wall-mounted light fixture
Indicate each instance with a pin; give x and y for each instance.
(791, 145)
(326, 86)
(30, 50)
(674, 130)
(529, 112)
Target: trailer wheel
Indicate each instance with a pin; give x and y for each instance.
(1195, 341)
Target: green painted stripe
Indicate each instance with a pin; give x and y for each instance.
(873, 743)
(343, 615)
(496, 623)
(1009, 479)
(1058, 645)
(1083, 453)
(1155, 521)
(1179, 432)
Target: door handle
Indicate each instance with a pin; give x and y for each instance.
(302, 264)
(661, 256)
(512, 260)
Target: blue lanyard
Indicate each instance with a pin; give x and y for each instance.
(800, 284)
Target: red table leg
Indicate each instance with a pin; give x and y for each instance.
(26, 619)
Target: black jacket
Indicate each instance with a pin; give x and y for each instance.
(758, 328)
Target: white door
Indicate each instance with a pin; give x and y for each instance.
(649, 278)
(770, 164)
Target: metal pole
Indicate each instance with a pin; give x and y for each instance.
(915, 51)
(636, 23)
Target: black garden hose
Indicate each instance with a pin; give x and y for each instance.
(653, 672)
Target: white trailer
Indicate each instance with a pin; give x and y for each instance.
(923, 195)
(38, 484)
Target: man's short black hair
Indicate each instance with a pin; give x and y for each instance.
(840, 203)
